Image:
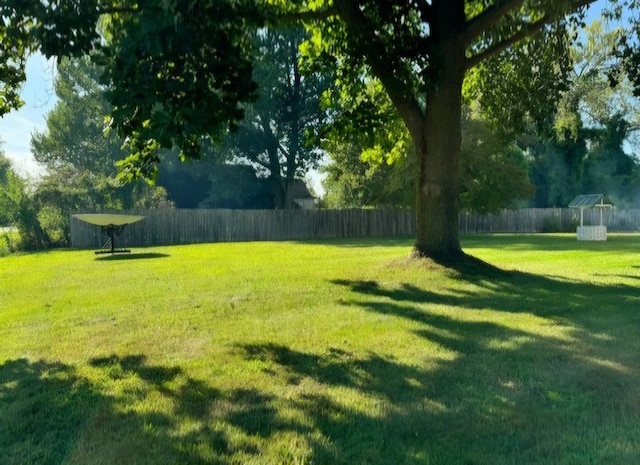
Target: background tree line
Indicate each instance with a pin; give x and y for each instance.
(255, 167)
(588, 145)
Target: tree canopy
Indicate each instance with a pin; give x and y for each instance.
(74, 132)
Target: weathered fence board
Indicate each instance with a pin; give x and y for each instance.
(174, 226)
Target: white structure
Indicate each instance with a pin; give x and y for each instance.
(300, 195)
(591, 233)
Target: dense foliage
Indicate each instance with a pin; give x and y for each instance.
(18, 208)
(495, 174)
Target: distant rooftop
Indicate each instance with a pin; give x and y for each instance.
(299, 190)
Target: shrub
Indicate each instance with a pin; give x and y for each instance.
(8, 243)
(55, 224)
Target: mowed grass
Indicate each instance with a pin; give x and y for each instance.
(337, 352)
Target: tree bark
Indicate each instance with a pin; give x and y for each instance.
(438, 152)
(438, 144)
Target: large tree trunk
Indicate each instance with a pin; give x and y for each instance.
(438, 152)
(435, 131)
(438, 149)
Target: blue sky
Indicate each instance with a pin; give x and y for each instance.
(16, 128)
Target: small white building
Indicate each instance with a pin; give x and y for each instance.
(591, 232)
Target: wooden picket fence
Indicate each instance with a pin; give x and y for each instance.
(546, 220)
(166, 227)
(177, 226)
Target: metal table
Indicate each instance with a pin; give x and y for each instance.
(112, 225)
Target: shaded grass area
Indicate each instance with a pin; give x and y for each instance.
(323, 353)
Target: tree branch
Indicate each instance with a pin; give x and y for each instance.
(380, 61)
(283, 149)
(523, 33)
(526, 31)
(488, 18)
(256, 159)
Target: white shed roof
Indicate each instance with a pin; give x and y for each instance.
(589, 201)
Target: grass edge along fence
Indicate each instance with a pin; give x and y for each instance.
(182, 226)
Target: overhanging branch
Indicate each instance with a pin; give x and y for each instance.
(284, 150)
(378, 58)
(489, 17)
(255, 158)
(524, 32)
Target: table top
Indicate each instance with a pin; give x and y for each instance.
(108, 219)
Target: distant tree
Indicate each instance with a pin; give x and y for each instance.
(6, 173)
(594, 127)
(75, 138)
(609, 168)
(80, 158)
(18, 208)
(611, 117)
(495, 172)
(75, 127)
(276, 134)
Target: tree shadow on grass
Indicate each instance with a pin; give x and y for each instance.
(507, 395)
(508, 291)
(484, 392)
(156, 434)
(504, 396)
(50, 415)
(42, 409)
(494, 394)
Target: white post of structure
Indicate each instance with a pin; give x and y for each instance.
(601, 210)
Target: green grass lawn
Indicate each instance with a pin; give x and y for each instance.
(337, 352)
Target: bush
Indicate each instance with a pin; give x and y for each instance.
(4, 245)
(8, 243)
(55, 224)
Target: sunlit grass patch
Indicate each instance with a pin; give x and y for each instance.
(337, 352)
